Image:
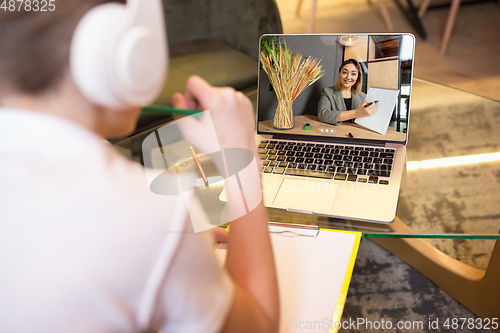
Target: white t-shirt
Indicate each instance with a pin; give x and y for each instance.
(85, 246)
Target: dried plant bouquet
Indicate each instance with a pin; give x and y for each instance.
(290, 74)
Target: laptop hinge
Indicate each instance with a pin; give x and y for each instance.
(329, 140)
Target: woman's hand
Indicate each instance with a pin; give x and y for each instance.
(364, 111)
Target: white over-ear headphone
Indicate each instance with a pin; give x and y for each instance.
(119, 53)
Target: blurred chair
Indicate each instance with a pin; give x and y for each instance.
(215, 39)
(450, 23)
(452, 16)
(312, 19)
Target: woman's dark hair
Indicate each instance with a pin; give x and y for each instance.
(359, 82)
(34, 51)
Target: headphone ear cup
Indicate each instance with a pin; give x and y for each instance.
(89, 53)
(140, 55)
(140, 65)
(119, 54)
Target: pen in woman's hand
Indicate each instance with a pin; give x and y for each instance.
(367, 105)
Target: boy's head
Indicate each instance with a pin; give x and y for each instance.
(34, 56)
(35, 60)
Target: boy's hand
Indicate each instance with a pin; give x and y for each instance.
(231, 114)
(220, 234)
(227, 123)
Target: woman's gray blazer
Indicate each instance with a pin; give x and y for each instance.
(331, 104)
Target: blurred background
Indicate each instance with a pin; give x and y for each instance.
(443, 120)
(472, 58)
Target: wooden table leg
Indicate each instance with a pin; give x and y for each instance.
(455, 4)
(312, 19)
(411, 14)
(385, 14)
(299, 4)
(477, 290)
(423, 8)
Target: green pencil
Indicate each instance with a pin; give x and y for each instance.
(169, 110)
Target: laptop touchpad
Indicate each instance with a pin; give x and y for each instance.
(307, 194)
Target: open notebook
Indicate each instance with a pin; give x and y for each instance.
(314, 271)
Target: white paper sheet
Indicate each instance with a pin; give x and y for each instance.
(379, 121)
(311, 274)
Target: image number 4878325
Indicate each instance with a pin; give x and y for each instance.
(28, 5)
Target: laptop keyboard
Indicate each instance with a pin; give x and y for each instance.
(340, 162)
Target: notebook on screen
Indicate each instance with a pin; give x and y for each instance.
(322, 153)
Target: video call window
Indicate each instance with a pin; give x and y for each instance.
(384, 64)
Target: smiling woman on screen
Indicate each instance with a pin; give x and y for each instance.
(345, 100)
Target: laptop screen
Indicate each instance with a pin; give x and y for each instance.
(336, 87)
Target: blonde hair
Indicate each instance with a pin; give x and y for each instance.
(359, 82)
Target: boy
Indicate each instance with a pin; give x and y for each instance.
(84, 245)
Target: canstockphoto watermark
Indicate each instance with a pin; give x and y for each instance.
(362, 324)
(357, 324)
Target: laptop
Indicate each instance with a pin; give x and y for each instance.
(343, 170)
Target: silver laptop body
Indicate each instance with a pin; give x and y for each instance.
(355, 187)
